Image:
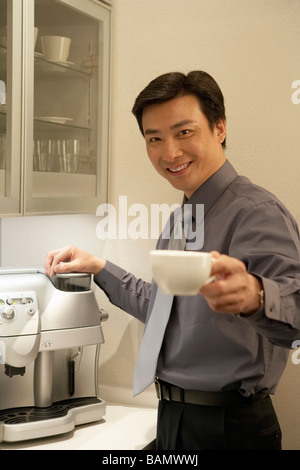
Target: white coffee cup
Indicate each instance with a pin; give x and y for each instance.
(181, 272)
(56, 48)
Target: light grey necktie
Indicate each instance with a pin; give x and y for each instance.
(145, 367)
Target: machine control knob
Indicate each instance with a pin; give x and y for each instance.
(8, 313)
(30, 311)
(24, 300)
(9, 301)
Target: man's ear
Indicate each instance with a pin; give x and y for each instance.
(220, 130)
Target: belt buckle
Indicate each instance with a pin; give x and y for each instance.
(158, 388)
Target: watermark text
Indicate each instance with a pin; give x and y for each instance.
(137, 221)
(296, 353)
(296, 94)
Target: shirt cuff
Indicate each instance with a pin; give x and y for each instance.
(271, 308)
(109, 277)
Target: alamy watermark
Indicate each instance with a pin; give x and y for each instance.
(296, 353)
(138, 222)
(296, 94)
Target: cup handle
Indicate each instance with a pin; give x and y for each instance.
(211, 278)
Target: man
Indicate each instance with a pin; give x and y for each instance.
(225, 349)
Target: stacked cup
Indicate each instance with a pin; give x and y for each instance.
(56, 48)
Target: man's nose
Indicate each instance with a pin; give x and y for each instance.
(171, 150)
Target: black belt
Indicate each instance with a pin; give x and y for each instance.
(167, 391)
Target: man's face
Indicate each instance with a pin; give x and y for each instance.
(180, 144)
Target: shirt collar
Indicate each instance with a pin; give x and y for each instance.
(212, 188)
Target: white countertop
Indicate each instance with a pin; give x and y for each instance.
(122, 428)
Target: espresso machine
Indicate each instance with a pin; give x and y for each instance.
(50, 339)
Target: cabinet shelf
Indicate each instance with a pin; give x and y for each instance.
(46, 68)
(42, 124)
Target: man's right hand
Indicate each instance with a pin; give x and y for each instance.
(72, 259)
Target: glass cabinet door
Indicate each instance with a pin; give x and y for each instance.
(66, 106)
(10, 106)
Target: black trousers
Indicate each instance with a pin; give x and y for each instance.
(253, 426)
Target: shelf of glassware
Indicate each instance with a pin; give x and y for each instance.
(60, 172)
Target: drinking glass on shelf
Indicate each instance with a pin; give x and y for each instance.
(59, 150)
(70, 152)
(46, 155)
(66, 156)
(76, 150)
(40, 155)
(49, 147)
(53, 155)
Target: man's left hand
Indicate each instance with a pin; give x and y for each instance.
(234, 290)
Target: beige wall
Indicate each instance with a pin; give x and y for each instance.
(251, 47)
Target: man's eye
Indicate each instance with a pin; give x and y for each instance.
(153, 139)
(184, 132)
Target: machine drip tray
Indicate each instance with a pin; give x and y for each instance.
(57, 410)
(30, 422)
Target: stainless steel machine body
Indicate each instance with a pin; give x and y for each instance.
(50, 337)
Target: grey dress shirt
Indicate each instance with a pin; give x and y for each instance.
(209, 351)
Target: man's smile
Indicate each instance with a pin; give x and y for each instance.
(178, 170)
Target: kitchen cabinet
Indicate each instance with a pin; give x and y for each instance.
(54, 106)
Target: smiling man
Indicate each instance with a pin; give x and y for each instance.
(225, 349)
